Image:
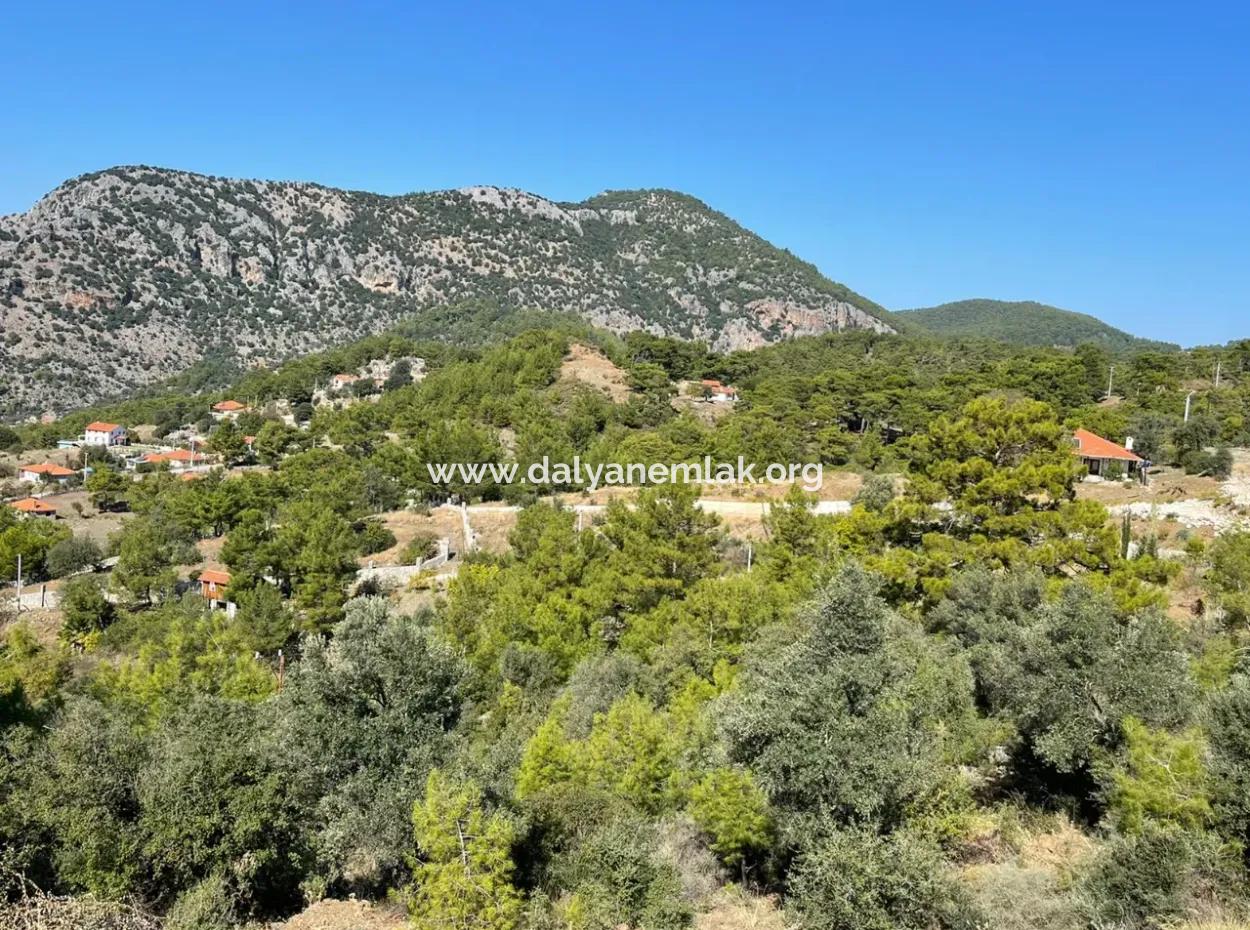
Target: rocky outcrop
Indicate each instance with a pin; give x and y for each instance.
(127, 276)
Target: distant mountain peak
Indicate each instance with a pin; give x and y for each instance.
(125, 276)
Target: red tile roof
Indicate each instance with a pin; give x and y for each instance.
(99, 426)
(228, 406)
(33, 505)
(213, 576)
(176, 455)
(50, 469)
(1092, 446)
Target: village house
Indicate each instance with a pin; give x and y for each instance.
(99, 433)
(213, 584)
(716, 391)
(342, 381)
(228, 409)
(1102, 456)
(177, 459)
(45, 471)
(34, 507)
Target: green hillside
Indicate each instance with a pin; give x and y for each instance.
(1025, 322)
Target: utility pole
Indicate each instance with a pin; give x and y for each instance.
(1110, 381)
(1217, 374)
(1188, 398)
(19, 583)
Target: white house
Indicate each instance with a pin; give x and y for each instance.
(45, 471)
(104, 434)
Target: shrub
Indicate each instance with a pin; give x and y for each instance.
(876, 493)
(375, 537)
(86, 609)
(858, 880)
(71, 555)
(616, 876)
(1144, 879)
(419, 548)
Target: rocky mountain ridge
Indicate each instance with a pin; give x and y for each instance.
(126, 276)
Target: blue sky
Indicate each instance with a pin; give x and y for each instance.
(1093, 156)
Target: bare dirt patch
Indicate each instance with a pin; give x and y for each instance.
(1166, 484)
(587, 365)
(45, 624)
(1237, 487)
(84, 519)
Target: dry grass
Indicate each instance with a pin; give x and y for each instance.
(408, 524)
(1166, 485)
(90, 522)
(46, 912)
(1057, 850)
(1023, 870)
(734, 909)
(346, 915)
(491, 528)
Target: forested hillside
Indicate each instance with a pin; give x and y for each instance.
(1027, 323)
(973, 699)
(143, 272)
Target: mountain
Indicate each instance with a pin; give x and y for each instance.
(126, 276)
(1025, 322)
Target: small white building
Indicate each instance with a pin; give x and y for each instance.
(104, 434)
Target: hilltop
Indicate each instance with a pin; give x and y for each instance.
(1025, 322)
(127, 276)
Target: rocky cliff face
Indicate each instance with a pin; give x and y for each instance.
(127, 276)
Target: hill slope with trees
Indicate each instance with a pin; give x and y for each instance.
(967, 702)
(1024, 322)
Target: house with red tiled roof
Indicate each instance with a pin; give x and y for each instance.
(1098, 454)
(34, 507)
(177, 459)
(45, 471)
(100, 433)
(228, 409)
(213, 584)
(714, 390)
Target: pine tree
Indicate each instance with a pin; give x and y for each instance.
(463, 880)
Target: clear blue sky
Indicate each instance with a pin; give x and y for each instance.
(1093, 155)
